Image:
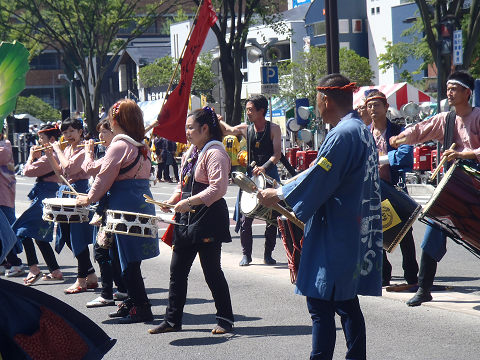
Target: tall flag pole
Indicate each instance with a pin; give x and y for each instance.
(173, 115)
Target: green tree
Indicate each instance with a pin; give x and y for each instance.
(204, 78)
(38, 108)
(299, 79)
(160, 73)
(424, 45)
(84, 32)
(231, 30)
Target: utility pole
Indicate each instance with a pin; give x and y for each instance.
(331, 22)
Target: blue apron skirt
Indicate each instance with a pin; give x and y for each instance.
(81, 234)
(30, 224)
(127, 195)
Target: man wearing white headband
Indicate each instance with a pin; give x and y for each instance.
(465, 134)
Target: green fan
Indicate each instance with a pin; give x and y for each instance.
(13, 69)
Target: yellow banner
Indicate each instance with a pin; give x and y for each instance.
(390, 217)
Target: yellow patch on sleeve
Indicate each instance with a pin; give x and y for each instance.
(325, 164)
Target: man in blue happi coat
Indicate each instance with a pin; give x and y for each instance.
(339, 201)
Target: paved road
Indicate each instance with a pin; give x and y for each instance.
(272, 322)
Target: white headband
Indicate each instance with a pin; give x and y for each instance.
(458, 82)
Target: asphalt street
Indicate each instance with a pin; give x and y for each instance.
(271, 321)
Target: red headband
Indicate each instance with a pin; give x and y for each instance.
(46, 130)
(379, 97)
(349, 87)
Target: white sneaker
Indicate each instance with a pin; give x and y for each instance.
(100, 301)
(15, 271)
(119, 296)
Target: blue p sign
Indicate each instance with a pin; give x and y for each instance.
(269, 75)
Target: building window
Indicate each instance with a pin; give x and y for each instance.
(344, 45)
(378, 10)
(357, 26)
(45, 61)
(373, 11)
(343, 26)
(319, 28)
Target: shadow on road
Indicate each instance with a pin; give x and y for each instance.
(260, 331)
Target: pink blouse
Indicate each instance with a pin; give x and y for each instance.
(40, 167)
(73, 171)
(7, 175)
(90, 165)
(120, 154)
(466, 137)
(212, 169)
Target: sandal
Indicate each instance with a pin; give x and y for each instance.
(75, 290)
(50, 277)
(31, 279)
(92, 285)
(219, 330)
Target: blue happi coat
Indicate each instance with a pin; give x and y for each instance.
(339, 201)
(127, 195)
(30, 223)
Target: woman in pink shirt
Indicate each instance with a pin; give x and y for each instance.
(77, 236)
(107, 259)
(125, 174)
(30, 224)
(7, 203)
(203, 183)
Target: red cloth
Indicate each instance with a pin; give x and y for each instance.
(55, 339)
(172, 117)
(167, 237)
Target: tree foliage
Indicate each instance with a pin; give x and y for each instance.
(231, 30)
(84, 32)
(424, 46)
(38, 108)
(160, 73)
(299, 79)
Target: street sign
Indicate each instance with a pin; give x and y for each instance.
(270, 89)
(457, 47)
(269, 75)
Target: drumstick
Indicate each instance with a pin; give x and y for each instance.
(292, 178)
(68, 184)
(149, 200)
(41, 148)
(400, 141)
(289, 215)
(95, 143)
(437, 169)
(72, 193)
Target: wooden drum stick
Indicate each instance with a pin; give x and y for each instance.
(437, 169)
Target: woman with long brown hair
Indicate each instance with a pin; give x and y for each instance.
(125, 174)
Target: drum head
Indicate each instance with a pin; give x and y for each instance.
(248, 203)
(259, 180)
(60, 201)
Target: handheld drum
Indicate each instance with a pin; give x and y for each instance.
(64, 210)
(250, 205)
(134, 224)
(399, 212)
(455, 205)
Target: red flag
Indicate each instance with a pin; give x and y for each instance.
(172, 117)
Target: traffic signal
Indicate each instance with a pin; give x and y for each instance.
(446, 37)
